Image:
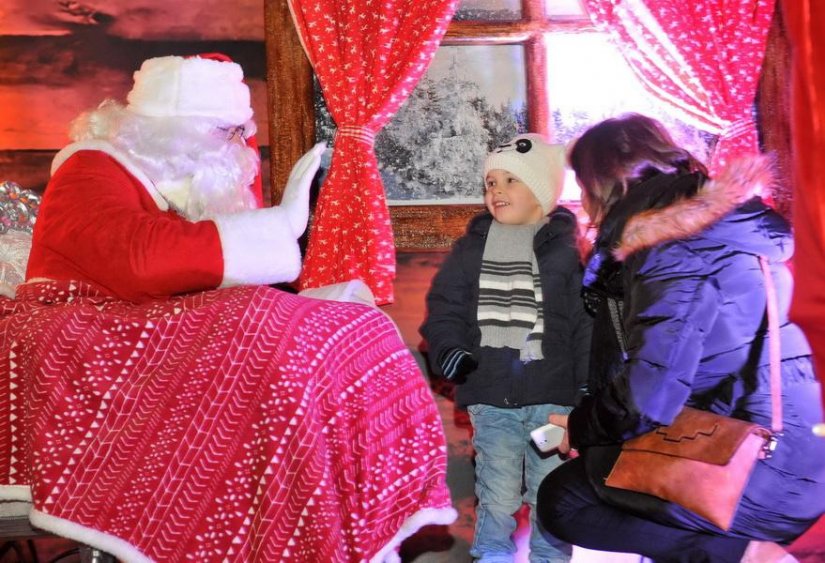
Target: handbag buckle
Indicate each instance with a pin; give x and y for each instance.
(770, 446)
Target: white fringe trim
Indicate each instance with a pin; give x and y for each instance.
(121, 549)
(424, 517)
(128, 553)
(16, 492)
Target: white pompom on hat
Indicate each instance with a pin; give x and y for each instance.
(537, 163)
(190, 87)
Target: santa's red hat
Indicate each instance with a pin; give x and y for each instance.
(200, 86)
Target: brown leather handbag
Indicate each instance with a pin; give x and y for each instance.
(703, 461)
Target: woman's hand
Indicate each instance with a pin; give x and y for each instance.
(564, 447)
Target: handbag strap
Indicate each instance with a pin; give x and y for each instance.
(774, 347)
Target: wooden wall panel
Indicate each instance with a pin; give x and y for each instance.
(30, 169)
(37, 116)
(136, 19)
(60, 58)
(47, 81)
(414, 273)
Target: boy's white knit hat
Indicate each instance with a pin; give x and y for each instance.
(191, 87)
(537, 163)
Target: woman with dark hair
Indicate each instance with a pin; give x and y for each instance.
(676, 288)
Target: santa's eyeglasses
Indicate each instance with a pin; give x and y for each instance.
(233, 133)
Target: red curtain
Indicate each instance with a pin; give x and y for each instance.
(806, 26)
(368, 56)
(703, 57)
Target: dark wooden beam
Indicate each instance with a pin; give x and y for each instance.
(30, 169)
(91, 56)
(492, 33)
(430, 227)
(290, 95)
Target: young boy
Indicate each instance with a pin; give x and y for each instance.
(506, 323)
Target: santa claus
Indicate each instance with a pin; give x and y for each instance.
(162, 196)
(158, 414)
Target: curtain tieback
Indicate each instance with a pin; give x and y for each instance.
(359, 133)
(737, 128)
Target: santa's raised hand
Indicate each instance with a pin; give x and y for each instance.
(260, 246)
(295, 201)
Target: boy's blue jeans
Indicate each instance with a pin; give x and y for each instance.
(506, 460)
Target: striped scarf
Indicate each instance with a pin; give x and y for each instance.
(510, 312)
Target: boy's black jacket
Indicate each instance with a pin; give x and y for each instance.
(502, 379)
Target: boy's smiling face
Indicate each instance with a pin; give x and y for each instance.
(509, 200)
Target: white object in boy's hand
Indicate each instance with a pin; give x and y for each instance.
(547, 437)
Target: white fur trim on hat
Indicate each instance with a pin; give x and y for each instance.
(190, 87)
(537, 163)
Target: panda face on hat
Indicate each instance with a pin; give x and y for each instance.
(522, 145)
(536, 163)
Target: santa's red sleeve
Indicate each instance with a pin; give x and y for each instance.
(102, 222)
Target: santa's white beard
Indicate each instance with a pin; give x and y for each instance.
(189, 159)
(210, 183)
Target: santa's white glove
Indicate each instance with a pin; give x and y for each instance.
(295, 201)
(260, 246)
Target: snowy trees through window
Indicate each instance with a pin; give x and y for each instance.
(505, 67)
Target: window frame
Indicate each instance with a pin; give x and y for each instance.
(292, 113)
(435, 227)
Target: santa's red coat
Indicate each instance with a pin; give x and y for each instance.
(103, 222)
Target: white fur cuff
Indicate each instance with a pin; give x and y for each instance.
(258, 248)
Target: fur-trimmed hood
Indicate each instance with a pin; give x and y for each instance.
(711, 211)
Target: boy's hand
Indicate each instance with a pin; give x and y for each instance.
(456, 364)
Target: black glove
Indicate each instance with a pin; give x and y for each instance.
(456, 364)
(592, 301)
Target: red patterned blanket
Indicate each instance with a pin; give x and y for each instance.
(242, 424)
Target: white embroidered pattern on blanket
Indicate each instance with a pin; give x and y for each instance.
(243, 424)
